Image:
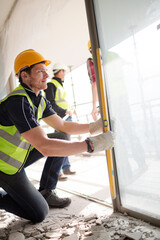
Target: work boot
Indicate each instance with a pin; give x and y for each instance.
(69, 172)
(53, 200)
(62, 177)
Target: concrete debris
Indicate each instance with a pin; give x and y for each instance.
(90, 217)
(16, 236)
(72, 237)
(53, 234)
(134, 236)
(117, 226)
(98, 222)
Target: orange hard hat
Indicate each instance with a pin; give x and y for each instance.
(27, 58)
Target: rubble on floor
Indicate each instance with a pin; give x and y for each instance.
(64, 226)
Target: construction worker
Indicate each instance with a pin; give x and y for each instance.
(91, 74)
(23, 141)
(56, 94)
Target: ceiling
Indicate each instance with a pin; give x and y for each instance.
(57, 29)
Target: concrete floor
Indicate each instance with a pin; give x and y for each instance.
(91, 178)
(83, 219)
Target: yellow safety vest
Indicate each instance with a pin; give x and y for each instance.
(14, 149)
(60, 95)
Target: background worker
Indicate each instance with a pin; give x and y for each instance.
(23, 141)
(56, 94)
(91, 74)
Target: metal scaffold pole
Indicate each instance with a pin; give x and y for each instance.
(73, 92)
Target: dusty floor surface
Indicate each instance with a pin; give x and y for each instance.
(61, 224)
(83, 219)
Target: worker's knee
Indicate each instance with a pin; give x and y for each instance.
(40, 214)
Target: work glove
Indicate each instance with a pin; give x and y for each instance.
(96, 127)
(101, 142)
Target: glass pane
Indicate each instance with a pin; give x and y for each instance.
(129, 34)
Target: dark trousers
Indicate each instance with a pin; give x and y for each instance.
(20, 197)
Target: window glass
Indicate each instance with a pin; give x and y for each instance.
(129, 35)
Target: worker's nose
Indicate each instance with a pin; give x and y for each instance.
(46, 74)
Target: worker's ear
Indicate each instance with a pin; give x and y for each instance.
(24, 75)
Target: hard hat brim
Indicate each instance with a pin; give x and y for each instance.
(47, 62)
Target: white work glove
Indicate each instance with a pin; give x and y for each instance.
(96, 127)
(103, 141)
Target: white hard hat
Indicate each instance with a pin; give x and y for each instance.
(58, 66)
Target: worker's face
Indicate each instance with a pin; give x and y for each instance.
(61, 74)
(37, 79)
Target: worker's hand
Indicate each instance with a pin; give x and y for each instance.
(94, 114)
(96, 127)
(69, 112)
(103, 141)
(75, 112)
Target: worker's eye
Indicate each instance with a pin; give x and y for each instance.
(42, 71)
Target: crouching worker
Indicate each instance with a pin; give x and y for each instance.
(23, 142)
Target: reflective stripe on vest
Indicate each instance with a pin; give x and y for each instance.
(60, 95)
(14, 149)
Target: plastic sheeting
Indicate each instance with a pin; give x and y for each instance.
(57, 29)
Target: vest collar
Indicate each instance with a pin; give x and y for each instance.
(58, 80)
